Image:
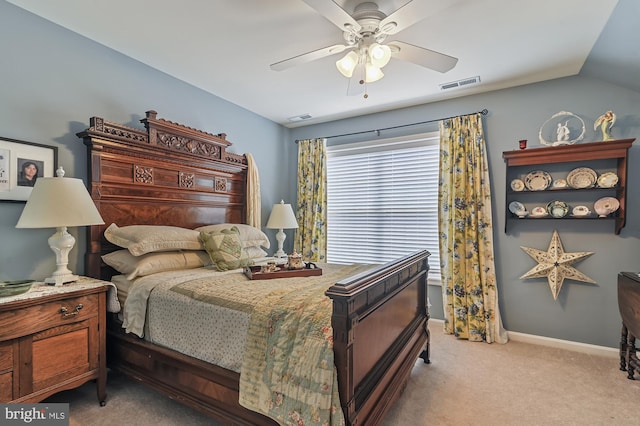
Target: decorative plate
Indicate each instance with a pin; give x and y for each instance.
(607, 180)
(582, 177)
(518, 209)
(538, 212)
(517, 185)
(538, 180)
(11, 288)
(606, 205)
(559, 184)
(557, 209)
(580, 211)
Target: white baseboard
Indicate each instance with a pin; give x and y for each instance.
(568, 345)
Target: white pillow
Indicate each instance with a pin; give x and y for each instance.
(141, 239)
(255, 252)
(138, 266)
(250, 236)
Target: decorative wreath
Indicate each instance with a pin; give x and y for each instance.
(562, 142)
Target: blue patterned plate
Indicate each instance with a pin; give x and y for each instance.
(538, 180)
(557, 209)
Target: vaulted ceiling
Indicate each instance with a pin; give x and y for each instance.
(226, 48)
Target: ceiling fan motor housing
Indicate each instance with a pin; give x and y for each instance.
(368, 16)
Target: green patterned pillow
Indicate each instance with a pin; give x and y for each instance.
(225, 249)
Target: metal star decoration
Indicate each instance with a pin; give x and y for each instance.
(555, 264)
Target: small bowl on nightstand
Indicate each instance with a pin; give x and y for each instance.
(12, 288)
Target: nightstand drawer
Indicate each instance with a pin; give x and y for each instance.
(40, 317)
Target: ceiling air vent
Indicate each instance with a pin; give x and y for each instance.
(299, 118)
(460, 83)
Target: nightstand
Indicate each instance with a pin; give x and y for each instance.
(53, 339)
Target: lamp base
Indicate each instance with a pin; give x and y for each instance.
(61, 243)
(280, 237)
(60, 279)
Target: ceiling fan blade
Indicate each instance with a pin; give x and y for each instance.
(424, 57)
(412, 12)
(309, 56)
(335, 14)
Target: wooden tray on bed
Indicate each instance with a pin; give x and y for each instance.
(255, 273)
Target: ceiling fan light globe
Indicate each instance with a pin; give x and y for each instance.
(379, 55)
(347, 64)
(373, 73)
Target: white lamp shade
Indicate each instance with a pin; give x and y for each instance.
(59, 201)
(347, 64)
(372, 74)
(379, 55)
(281, 217)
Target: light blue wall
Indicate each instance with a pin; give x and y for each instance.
(583, 312)
(53, 81)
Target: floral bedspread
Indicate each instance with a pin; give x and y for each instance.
(288, 371)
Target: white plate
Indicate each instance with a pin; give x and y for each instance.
(580, 211)
(538, 180)
(557, 209)
(607, 180)
(606, 205)
(559, 183)
(538, 212)
(517, 208)
(582, 177)
(517, 185)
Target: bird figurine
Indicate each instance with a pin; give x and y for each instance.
(606, 122)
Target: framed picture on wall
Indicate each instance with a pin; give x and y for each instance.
(21, 164)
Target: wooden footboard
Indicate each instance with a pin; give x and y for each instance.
(379, 328)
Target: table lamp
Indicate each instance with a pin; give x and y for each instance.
(281, 217)
(59, 202)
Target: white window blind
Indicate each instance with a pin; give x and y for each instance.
(382, 200)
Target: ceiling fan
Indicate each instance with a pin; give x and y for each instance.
(364, 33)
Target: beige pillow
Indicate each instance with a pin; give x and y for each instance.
(141, 239)
(225, 249)
(138, 266)
(249, 235)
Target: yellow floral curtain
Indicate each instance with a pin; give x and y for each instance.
(311, 213)
(470, 294)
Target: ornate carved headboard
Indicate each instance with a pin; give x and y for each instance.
(169, 174)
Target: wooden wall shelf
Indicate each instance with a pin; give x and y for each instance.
(613, 152)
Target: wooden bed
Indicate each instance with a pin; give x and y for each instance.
(171, 174)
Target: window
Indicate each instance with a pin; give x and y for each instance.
(382, 200)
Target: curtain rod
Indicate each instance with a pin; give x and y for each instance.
(483, 112)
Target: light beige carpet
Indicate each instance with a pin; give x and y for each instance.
(466, 384)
